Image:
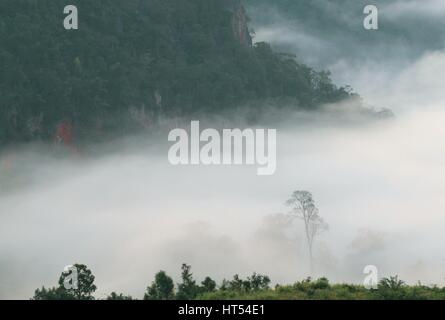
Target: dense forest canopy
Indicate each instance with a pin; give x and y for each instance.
(132, 61)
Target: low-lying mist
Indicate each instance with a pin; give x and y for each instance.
(128, 213)
(379, 64)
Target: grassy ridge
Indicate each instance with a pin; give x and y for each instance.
(321, 289)
(254, 287)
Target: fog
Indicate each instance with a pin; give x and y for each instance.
(329, 35)
(127, 213)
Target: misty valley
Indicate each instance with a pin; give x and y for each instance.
(228, 149)
(181, 150)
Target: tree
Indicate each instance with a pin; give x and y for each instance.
(259, 282)
(161, 289)
(85, 283)
(208, 285)
(120, 296)
(52, 294)
(303, 206)
(187, 289)
(83, 289)
(256, 282)
(392, 288)
(237, 284)
(392, 283)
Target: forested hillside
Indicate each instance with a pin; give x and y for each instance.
(133, 61)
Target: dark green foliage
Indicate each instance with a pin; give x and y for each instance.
(321, 289)
(391, 288)
(391, 283)
(255, 282)
(108, 76)
(208, 285)
(115, 296)
(255, 287)
(187, 289)
(84, 291)
(86, 285)
(161, 289)
(52, 294)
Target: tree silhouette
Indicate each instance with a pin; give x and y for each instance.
(187, 289)
(208, 285)
(85, 283)
(161, 289)
(52, 294)
(82, 289)
(120, 296)
(303, 206)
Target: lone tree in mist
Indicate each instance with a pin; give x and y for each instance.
(302, 206)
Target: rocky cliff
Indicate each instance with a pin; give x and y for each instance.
(240, 22)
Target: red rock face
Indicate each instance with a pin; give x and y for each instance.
(64, 133)
(239, 24)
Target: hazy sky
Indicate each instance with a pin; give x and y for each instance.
(129, 213)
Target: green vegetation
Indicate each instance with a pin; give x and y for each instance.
(132, 62)
(161, 289)
(321, 289)
(340, 24)
(85, 287)
(255, 287)
(115, 296)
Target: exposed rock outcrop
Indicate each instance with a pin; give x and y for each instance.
(239, 22)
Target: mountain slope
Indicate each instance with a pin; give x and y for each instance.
(133, 61)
